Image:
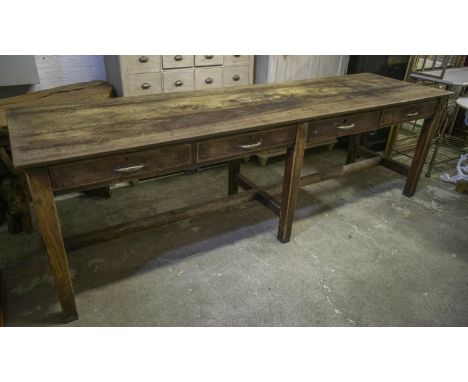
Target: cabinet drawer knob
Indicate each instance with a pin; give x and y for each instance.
(236, 77)
(130, 169)
(413, 114)
(209, 57)
(178, 83)
(143, 59)
(209, 80)
(178, 58)
(145, 85)
(250, 146)
(344, 127)
(237, 55)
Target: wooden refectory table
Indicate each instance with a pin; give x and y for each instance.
(86, 145)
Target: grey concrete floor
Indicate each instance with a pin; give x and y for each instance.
(361, 254)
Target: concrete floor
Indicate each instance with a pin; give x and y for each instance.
(361, 254)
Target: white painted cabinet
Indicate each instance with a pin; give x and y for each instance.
(274, 69)
(140, 75)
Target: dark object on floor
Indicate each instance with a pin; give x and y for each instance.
(462, 187)
(101, 192)
(14, 197)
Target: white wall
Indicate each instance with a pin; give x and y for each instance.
(61, 70)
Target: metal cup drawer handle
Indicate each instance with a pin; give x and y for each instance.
(251, 145)
(344, 126)
(130, 169)
(236, 77)
(143, 59)
(178, 58)
(209, 80)
(178, 83)
(145, 85)
(209, 57)
(413, 114)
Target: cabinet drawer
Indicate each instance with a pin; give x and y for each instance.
(240, 145)
(141, 64)
(235, 76)
(178, 80)
(143, 84)
(236, 60)
(208, 60)
(177, 61)
(408, 113)
(116, 168)
(345, 125)
(208, 78)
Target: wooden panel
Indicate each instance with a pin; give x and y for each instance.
(141, 64)
(208, 60)
(60, 133)
(236, 60)
(236, 75)
(177, 61)
(408, 113)
(208, 78)
(143, 84)
(226, 148)
(115, 168)
(178, 80)
(345, 125)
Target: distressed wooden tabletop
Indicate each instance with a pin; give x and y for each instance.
(46, 135)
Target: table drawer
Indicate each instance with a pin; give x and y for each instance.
(177, 61)
(240, 145)
(408, 113)
(208, 78)
(236, 60)
(345, 125)
(178, 80)
(120, 167)
(208, 60)
(143, 84)
(141, 64)
(236, 75)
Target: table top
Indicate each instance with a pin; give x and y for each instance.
(453, 77)
(47, 135)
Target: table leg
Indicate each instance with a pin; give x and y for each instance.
(234, 168)
(292, 177)
(428, 131)
(49, 225)
(352, 148)
(391, 140)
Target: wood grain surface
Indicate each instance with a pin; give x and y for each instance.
(45, 135)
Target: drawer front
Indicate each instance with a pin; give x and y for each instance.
(121, 167)
(345, 125)
(208, 78)
(235, 76)
(236, 60)
(208, 60)
(177, 61)
(238, 146)
(143, 84)
(178, 80)
(141, 64)
(408, 113)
